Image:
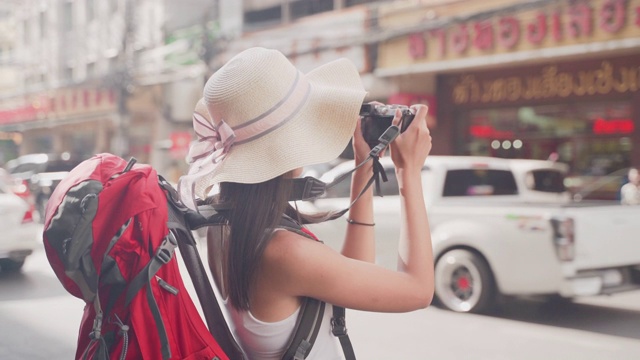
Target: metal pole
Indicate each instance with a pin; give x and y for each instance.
(124, 82)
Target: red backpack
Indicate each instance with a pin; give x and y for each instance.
(111, 229)
(107, 240)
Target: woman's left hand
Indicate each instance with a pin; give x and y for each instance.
(361, 149)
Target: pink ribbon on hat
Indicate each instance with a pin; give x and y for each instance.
(205, 154)
(214, 142)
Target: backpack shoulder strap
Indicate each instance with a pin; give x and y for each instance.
(339, 330)
(309, 320)
(179, 225)
(311, 315)
(306, 329)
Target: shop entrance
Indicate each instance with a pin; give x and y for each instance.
(594, 139)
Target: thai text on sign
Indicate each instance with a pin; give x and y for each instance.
(550, 82)
(546, 27)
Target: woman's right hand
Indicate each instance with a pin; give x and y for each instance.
(411, 148)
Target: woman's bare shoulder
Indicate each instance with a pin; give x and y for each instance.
(291, 247)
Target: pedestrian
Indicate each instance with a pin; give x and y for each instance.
(270, 121)
(630, 192)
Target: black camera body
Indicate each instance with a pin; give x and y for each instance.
(376, 119)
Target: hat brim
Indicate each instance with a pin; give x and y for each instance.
(319, 133)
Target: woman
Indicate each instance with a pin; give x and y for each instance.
(271, 120)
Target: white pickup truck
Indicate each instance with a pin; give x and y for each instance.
(503, 227)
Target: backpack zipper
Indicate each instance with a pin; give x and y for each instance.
(165, 285)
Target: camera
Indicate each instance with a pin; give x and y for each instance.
(376, 119)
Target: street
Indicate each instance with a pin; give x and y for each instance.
(40, 320)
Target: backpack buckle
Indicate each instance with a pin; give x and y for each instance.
(338, 326)
(96, 332)
(164, 255)
(165, 251)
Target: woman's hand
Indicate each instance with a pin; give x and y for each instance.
(411, 148)
(361, 149)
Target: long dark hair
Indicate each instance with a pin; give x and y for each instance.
(254, 210)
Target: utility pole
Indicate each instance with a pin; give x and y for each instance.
(209, 46)
(124, 81)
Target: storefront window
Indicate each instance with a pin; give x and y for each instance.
(593, 138)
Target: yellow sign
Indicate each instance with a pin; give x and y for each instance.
(493, 28)
(548, 83)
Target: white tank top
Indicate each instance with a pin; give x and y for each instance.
(267, 340)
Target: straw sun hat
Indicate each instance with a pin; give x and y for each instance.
(260, 117)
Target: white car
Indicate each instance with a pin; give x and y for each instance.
(502, 226)
(19, 231)
(42, 173)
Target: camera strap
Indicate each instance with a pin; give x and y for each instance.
(308, 188)
(378, 173)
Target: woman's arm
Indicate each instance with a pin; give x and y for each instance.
(297, 266)
(409, 152)
(359, 242)
(307, 268)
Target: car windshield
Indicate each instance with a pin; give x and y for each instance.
(55, 166)
(43, 167)
(26, 167)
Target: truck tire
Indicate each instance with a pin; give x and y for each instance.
(464, 282)
(10, 266)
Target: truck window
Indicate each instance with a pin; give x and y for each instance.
(479, 182)
(547, 181)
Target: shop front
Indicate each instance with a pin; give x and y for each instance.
(79, 120)
(552, 80)
(583, 113)
(74, 120)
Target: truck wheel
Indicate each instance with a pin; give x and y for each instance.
(8, 265)
(463, 282)
(556, 300)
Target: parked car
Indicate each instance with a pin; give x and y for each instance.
(19, 232)
(503, 227)
(18, 186)
(42, 173)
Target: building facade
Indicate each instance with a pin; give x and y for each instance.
(123, 76)
(541, 80)
(538, 79)
(309, 33)
(75, 90)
